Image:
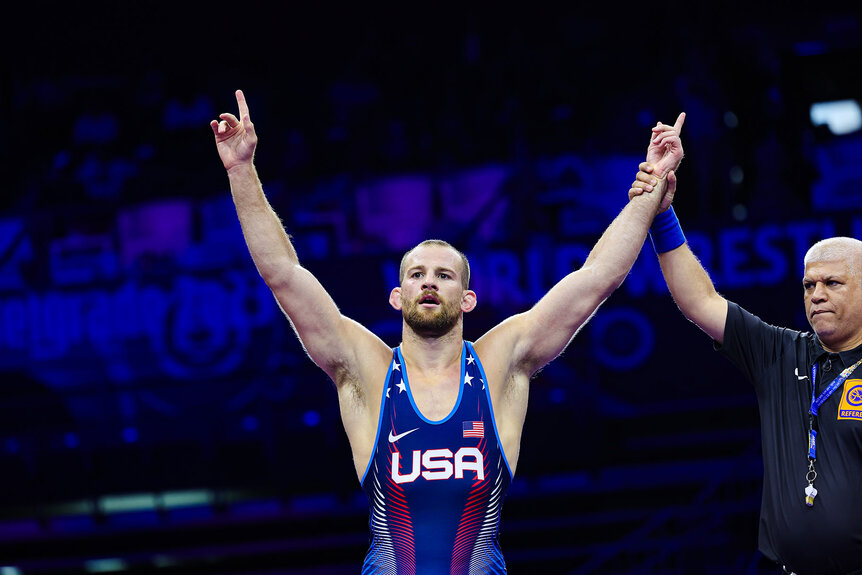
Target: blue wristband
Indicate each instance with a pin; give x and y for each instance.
(665, 233)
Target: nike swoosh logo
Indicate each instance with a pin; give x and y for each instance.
(394, 438)
(796, 371)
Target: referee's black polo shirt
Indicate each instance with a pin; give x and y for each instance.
(825, 539)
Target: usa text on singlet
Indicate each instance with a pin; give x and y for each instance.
(435, 488)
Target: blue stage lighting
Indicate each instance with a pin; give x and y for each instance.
(250, 423)
(311, 418)
(71, 440)
(130, 435)
(12, 445)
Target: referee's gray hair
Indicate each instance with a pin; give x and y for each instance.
(843, 249)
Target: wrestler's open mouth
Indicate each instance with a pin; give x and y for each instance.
(429, 298)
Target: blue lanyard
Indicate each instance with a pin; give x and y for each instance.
(820, 400)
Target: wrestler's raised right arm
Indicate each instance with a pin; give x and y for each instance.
(333, 341)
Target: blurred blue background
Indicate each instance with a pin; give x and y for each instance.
(157, 413)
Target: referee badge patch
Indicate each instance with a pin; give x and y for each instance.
(851, 400)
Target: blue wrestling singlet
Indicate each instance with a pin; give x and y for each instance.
(435, 488)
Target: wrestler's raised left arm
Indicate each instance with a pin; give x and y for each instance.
(534, 338)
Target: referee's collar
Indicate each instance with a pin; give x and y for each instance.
(848, 357)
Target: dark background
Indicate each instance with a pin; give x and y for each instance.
(157, 413)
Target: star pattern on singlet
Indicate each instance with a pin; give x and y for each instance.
(395, 367)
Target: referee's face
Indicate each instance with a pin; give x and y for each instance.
(833, 304)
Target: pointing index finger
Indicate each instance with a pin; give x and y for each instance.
(243, 107)
(677, 127)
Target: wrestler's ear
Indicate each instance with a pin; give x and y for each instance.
(468, 300)
(395, 298)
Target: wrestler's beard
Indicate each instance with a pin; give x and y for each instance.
(431, 324)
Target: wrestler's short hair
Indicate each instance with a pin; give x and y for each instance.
(465, 275)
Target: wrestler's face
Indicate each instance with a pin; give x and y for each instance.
(833, 304)
(431, 296)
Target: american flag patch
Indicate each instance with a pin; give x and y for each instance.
(474, 429)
